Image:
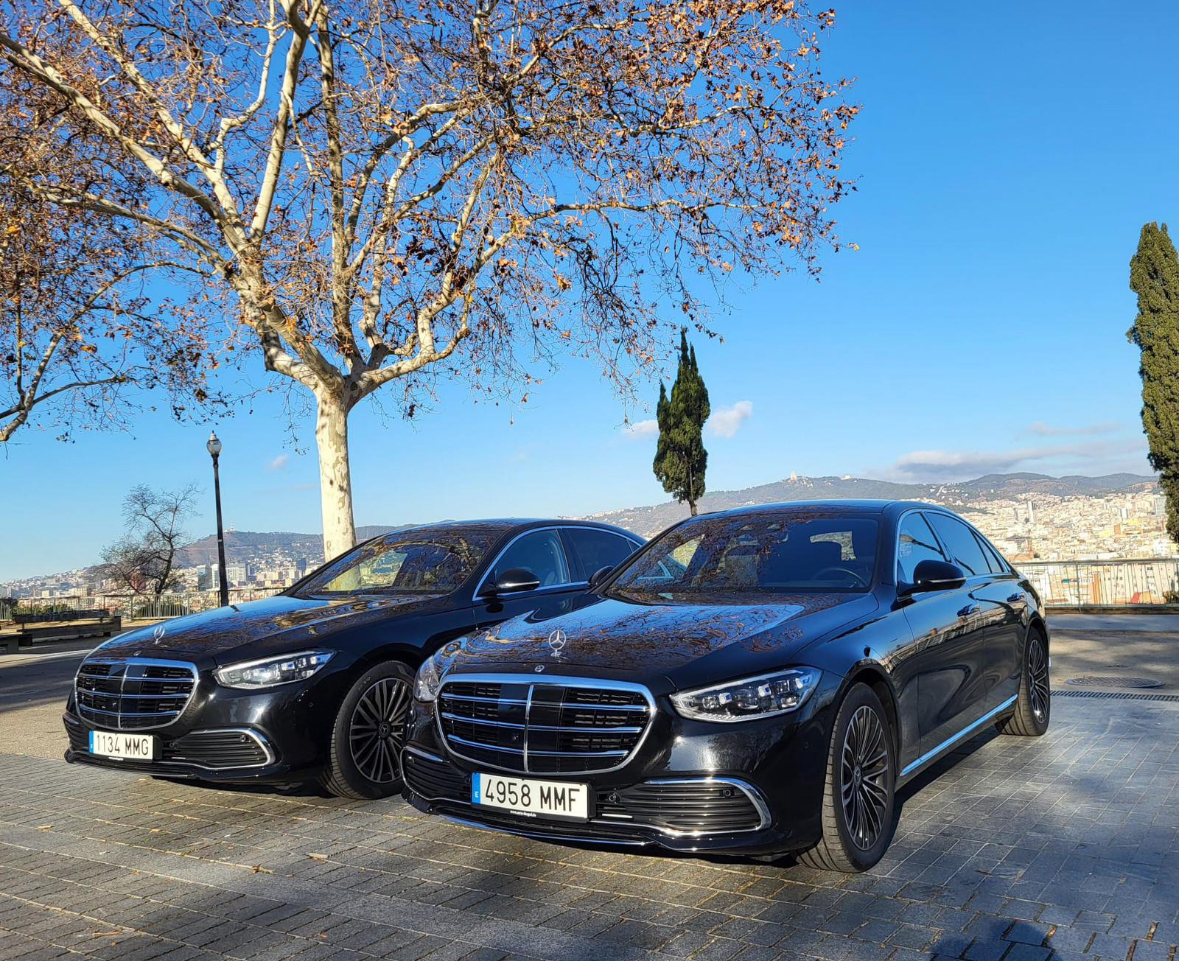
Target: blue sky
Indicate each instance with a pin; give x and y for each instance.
(1007, 156)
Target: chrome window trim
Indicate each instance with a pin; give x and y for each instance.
(550, 587)
(258, 738)
(146, 662)
(954, 739)
(548, 680)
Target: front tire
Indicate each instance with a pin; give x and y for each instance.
(859, 793)
(364, 760)
(1033, 707)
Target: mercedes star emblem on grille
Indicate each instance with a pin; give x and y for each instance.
(158, 634)
(557, 641)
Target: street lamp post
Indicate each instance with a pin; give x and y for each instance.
(214, 449)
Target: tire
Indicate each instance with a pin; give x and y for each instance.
(861, 733)
(364, 761)
(1033, 706)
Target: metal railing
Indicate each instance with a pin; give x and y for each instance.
(138, 606)
(1150, 581)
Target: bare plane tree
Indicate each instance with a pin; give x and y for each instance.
(78, 337)
(376, 187)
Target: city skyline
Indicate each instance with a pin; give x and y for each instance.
(1127, 522)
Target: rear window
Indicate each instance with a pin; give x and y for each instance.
(595, 549)
(960, 541)
(778, 553)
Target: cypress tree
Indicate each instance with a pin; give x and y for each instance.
(1154, 277)
(680, 457)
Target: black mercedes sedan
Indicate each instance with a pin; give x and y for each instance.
(316, 682)
(754, 682)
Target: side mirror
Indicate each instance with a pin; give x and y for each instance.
(931, 575)
(600, 575)
(512, 581)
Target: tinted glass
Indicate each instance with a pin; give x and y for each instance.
(992, 555)
(411, 562)
(597, 549)
(539, 552)
(915, 544)
(780, 553)
(961, 543)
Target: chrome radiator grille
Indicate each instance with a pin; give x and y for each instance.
(554, 726)
(134, 693)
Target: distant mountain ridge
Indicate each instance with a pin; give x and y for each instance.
(650, 520)
(653, 518)
(254, 546)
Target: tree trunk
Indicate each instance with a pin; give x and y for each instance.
(335, 476)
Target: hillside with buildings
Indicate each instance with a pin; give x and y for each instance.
(1028, 516)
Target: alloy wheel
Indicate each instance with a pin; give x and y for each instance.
(864, 778)
(377, 730)
(1038, 677)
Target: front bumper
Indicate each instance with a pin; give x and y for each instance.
(277, 735)
(753, 788)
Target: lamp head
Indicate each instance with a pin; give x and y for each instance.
(214, 445)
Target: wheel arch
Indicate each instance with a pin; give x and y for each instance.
(876, 677)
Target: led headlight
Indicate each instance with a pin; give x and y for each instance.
(749, 697)
(272, 671)
(425, 685)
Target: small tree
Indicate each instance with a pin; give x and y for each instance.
(680, 457)
(144, 559)
(1154, 277)
(381, 190)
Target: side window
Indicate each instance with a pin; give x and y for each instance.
(915, 544)
(961, 543)
(540, 552)
(594, 549)
(994, 558)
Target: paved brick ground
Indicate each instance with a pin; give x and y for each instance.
(1020, 850)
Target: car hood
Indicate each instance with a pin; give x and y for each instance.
(259, 628)
(681, 642)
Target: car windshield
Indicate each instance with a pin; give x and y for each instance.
(750, 554)
(407, 562)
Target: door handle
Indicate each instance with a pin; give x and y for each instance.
(1017, 598)
(968, 610)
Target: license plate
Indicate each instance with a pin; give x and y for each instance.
(552, 799)
(136, 747)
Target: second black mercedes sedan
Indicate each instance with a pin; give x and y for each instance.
(755, 682)
(316, 682)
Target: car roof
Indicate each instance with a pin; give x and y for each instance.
(509, 525)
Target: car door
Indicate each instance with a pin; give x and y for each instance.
(949, 630)
(540, 551)
(1005, 653)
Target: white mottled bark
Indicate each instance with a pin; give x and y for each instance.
(335, 477)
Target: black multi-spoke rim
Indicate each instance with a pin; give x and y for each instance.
(1038, 678)
(864, 780)
(377, 730)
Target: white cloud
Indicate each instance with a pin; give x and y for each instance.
(952, 464)
(726, 421)
(279, 463)
(641, 430)
(1040, 429)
